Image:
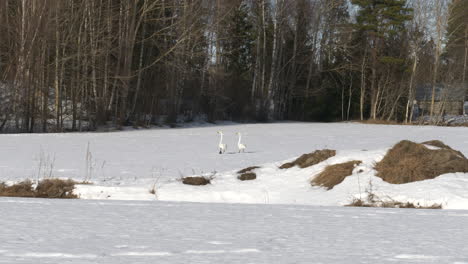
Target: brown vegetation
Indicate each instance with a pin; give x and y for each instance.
(440, 144)
(392, 204)
(409, 162)
(248, 169)
(247, 176)
(379, 122)
(310, 159)
(56, 188)
(21, 189)
(335, 174)
(196, 180)
(48, 188)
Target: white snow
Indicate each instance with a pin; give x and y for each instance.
(127, 165)
(85, 232)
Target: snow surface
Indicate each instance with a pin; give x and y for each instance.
(127, 165)
(84, 232)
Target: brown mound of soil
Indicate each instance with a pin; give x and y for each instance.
(48, 188)
(409, 162)
(195, 180)
(335, 174)
(248, 176)
(55, 188)
(248, 169)
(310, 159)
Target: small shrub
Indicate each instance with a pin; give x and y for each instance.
(248, 176)
(310, 159)
(197, 180)
(335, 174)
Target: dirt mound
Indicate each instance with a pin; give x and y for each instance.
(409, 162)
(196, 180)
(248, 169)
(335, 174)
(248, 176)
(310, 159)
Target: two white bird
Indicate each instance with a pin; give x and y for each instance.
(223, 147)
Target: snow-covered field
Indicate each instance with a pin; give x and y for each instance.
(273, 219)
(83, 231)
(126, 165)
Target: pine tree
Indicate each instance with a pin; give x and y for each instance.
(457, 47)
(380, 21)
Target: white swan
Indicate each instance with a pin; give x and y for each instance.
(222, 147)
(240, 146)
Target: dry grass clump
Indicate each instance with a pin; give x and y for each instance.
(21, 189)
(310, 159)
(196, 180)
(56, 188)
(392, 204)
(335, 174)
(379, 122)
(248, 176)
(373, 200)
(409, 162)
(436, 143)
(248, 169)
(48, 188)
(440, 144)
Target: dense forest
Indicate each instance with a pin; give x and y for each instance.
(81, 64)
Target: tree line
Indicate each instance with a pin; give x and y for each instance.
(80, 64)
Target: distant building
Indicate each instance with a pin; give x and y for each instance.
(448, 99)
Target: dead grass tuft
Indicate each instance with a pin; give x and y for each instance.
(248, 169)
(409, 162)
(310, 159)
(392, 204)
(48, 188)
(196, 180)
(56, 188)
(335, 174)
(379, 122)
(248, 176)
(440, 144)
(21, 189)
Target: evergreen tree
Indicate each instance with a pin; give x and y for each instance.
(457, 47)
(380, 21)
(237, 51)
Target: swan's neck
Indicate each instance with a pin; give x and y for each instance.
(221, 139)
(240, 136)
